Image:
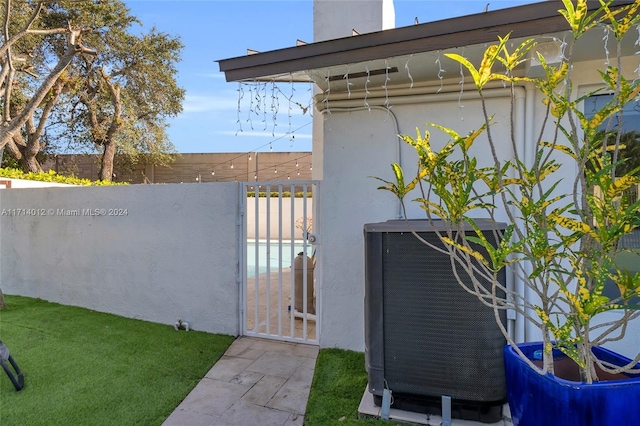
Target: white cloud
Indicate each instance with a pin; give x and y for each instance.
(208, 103)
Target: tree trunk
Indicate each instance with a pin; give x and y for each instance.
(12, 127)
(29, 163)
(106, 165)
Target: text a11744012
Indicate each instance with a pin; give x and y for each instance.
(63, 212)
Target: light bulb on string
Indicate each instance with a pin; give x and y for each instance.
(275, 170)
(296, 163)
(298, 172)
(213, 172)
(231, 165)
(249, 157)
(288, 177)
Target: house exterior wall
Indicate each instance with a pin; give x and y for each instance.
(336, 19)
(358, 143)
(171, 254)
(352, 153)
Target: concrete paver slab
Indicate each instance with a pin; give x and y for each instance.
(256, 381)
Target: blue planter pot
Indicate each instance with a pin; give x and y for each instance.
(537, 400)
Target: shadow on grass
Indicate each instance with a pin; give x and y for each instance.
(86, 367)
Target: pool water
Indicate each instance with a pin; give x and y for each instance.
(271, 251)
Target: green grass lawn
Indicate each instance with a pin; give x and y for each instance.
(338, 384)
(88, 368)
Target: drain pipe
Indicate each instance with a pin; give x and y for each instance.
(529, 158)
(524, 99)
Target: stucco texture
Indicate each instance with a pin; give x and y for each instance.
(153, 252)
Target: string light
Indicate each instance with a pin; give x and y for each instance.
(293, 90)
(440, 72)
(250, 107)
(346, 76)
(275, 106)
(256, 97)
(256, 150)
(240, 96)
(605, 39)
(406, 66)
(327, 92)
(264, 105)
(366, 88)
(386, 80)
(276, 169)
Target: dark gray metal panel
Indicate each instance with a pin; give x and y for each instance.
(438, 339)
(425, 335)
(373, 313)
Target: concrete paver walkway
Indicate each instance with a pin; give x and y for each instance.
(255, 382)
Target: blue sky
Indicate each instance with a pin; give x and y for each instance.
(219, 29)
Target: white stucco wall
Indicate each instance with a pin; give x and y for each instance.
(353, 153)
(359, 143)
(172, 254)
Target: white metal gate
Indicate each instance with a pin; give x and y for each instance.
(279, 236)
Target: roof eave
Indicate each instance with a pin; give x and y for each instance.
(522, 21)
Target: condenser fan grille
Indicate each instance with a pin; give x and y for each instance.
(438, 339)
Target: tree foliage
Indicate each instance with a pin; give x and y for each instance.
(113, 98)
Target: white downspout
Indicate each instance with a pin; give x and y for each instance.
(523, 129)
(529, 158)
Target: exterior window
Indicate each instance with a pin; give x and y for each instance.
(630, 127)
(631, 140)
